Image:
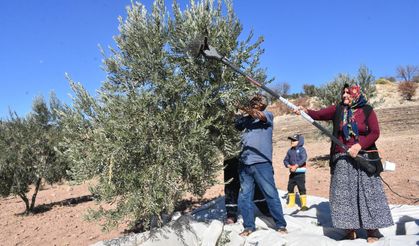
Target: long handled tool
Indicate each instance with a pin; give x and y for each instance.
(198, 47)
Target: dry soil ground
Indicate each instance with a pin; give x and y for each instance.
(62, 223)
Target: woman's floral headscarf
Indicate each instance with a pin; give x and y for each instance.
(349, 125)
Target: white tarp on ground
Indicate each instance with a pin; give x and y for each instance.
(313, 227)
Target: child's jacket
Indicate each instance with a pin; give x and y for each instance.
(297, 155)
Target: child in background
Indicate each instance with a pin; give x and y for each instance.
(295, 160)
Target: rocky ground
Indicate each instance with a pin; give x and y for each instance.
(60, 221)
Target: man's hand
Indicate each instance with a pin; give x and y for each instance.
(354, 150)
(240, 106)
(254, 109)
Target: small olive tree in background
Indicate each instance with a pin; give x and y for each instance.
(162, 122)
(330, 94)
(309, 90)
(29, 151)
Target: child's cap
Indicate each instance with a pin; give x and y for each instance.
(294, 137)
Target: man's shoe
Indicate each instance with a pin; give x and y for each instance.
(282, 230)
(245, 233)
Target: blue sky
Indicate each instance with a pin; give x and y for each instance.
(306, 41)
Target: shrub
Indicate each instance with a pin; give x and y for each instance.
(391, 79)
(382, 81)
(407, 90)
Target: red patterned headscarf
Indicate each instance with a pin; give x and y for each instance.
(355, 92)
(349, 125)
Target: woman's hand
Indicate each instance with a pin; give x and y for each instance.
(354, 150)
(300, 108)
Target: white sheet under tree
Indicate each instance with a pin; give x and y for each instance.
(312, 227)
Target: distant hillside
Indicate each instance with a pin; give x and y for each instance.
(387, 97)
(393, 120)
(391, 97)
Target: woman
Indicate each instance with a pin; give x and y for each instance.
(357, 198)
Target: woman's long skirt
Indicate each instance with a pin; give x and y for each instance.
(356, 199)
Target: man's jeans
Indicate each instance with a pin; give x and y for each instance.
(262, 175)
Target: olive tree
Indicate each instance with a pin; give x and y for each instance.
(30, 152)
(162, 121)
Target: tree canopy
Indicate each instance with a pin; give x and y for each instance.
(162, 122)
